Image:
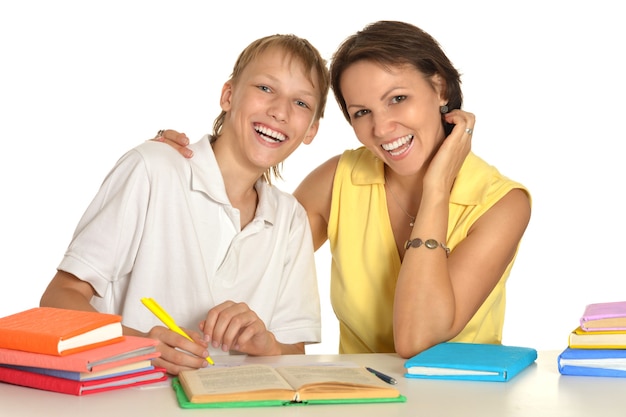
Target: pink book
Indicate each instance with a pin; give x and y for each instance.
(129, 350)
(604, 316)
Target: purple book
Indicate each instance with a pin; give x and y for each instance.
(604, 316)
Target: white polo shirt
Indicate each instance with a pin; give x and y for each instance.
(162, 226)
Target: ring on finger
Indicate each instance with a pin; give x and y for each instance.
(469, 130)
(162, 131)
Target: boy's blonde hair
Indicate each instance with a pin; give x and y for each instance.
(296, 48)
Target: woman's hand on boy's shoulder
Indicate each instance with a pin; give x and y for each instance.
(176, 140)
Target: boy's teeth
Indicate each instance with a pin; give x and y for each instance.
(276, 136)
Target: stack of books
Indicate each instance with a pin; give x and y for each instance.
(74, 352)
(597, 347)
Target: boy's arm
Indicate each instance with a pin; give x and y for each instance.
(68, 291)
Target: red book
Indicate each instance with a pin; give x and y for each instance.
(56, 331)
(130, 349)
(68, 386)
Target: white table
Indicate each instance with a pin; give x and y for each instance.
(538, 391)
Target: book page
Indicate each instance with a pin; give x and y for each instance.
(606, 363)
(239, 383)
(102, 333)
(331, 382)
(434, 371)
(599, 339)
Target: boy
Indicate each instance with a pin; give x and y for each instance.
(244, 266)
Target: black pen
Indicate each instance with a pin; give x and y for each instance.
(382, 376)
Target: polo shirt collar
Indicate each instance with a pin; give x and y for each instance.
(206, 177)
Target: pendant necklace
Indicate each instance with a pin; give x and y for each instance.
(393, 195)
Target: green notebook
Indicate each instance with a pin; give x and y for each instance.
(266, 386)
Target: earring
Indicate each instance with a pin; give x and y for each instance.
(443, 109)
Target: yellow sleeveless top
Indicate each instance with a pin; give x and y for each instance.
(365, 262)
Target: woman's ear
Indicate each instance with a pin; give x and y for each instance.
(440, 87)
(227, 95)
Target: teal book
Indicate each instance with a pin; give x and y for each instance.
(470, 361)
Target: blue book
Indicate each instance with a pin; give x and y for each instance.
(593, 362)
(470, 361)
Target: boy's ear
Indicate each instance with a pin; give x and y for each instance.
(227, 95)
(311, 132)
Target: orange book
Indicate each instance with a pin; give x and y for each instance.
(56, 331)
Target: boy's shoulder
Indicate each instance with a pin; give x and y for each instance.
(161, 156)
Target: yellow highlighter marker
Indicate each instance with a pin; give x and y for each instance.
(162, 315)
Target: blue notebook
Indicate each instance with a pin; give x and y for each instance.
(470, 361)
(593, 362)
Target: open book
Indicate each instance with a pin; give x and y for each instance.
(263, 385)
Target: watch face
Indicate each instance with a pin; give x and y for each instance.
(431, 244)
(416, 243)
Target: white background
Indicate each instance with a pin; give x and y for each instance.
(81, 82)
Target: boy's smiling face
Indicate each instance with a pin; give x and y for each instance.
(270, 108)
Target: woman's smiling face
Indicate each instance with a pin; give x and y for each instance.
(394, 112)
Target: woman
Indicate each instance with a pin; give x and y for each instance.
(423, 233)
